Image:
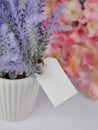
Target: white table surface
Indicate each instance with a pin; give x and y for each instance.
(78, 113)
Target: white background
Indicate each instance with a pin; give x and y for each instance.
(78, 113)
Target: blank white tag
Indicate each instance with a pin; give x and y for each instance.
(55, 82)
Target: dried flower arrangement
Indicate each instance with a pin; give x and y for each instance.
(24, 37)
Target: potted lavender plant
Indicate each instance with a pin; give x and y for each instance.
(23, 39)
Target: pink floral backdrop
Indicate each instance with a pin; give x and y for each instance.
(77, 50)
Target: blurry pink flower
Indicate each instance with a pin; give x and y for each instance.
(89, 86)
(51, 4)
(82, 19)
(91, 9)
(87, 60)
(72, 73)
(77, 51)
(72, 10)
(94, 41)
(61, 40)
(80, 35)
(92, 27)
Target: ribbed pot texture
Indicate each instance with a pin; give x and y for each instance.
(17, 98)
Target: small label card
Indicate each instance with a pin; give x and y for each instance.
(55, 82)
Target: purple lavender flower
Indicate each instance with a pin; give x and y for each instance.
(56, 16)
(24, 37)
(4, 11)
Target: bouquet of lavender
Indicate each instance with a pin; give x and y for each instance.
(24, 37)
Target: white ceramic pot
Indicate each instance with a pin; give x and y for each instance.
(17, 98)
